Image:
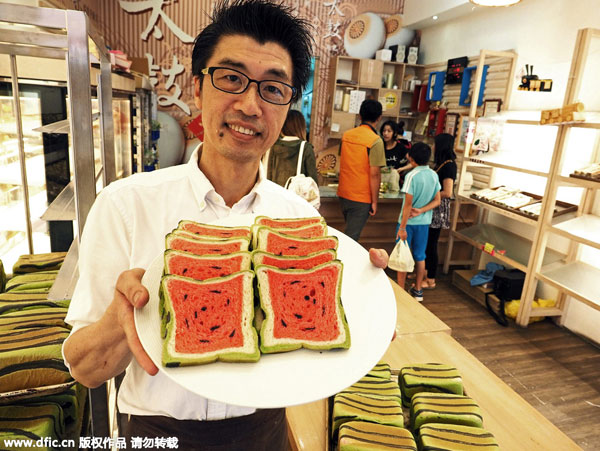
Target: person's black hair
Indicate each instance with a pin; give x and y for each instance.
(401, 128)
(263, 21)
(420, 152)
(392, 125)
(370, 110)
(444, 149)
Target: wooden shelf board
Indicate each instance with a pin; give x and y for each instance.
(499, 210)
(577, 279)
(481, 161)
(517, 248)
(574, 181)
(584, 229)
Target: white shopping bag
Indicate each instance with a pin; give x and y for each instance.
(401, 258)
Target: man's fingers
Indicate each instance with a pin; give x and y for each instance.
(127, 321)
(379, 257)
(129, 284)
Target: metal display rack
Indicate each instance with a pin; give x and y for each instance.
(67, 35)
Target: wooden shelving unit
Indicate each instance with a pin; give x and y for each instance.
(574, 278)
(355, 74)
(580, 225)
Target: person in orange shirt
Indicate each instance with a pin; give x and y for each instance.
(362, 154)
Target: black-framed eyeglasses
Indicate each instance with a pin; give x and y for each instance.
(236, 82)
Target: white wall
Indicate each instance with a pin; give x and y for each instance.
(543, 33)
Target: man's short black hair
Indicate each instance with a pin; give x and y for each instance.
(420, 152)
(370, 110)
(263, 21)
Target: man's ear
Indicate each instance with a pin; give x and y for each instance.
(198, 92)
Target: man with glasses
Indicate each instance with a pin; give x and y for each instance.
(248, 65)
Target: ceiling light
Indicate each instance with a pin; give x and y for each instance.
(435, 17)
(495, 2)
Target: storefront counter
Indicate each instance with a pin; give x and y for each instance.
(422, 337)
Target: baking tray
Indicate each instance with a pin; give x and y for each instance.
(560, 207)
(27, 393)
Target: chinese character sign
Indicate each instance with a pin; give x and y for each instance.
(157, 13)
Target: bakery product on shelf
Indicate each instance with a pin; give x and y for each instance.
(302, 308)
(444, 408)
(532, 209)
(365, 436)
(452, 437)
(428, 377)
(205, 321)
(380, 371)
(375, 387)
(516, 200)
(352, 406)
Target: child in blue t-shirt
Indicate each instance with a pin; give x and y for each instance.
(421, 194)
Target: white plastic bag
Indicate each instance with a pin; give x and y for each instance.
(401, 258)
(304, 186)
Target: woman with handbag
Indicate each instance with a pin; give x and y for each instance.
(445, 166)
(282, 160)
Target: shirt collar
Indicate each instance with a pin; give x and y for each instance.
(206, 193)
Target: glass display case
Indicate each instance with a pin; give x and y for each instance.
(13, 233)
(49, 165)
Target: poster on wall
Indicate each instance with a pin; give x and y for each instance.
(461, 133)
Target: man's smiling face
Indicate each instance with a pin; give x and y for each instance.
(241, 127)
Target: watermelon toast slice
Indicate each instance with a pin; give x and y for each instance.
(307, 231)
(214, 230)
(293, 262)
(201, 267)
(303, 308)
(209, 320)
(269, 240)
(287, 223)
(183, 242)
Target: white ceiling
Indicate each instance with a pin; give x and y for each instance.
(418, 13)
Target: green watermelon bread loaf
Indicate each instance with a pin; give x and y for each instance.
(302, 308)
(293, 262)
(189, 243)
(269, 240)
(289, 223)
(367, 436)
(308, 231)
(209, 320)
(202, 267)
(214, 230)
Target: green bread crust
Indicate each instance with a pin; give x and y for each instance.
(168, 326)
(268, 344)
(367, 436)
(375, 387)
(428, 377)
(352, 406)
(263, 233)
(259, 219)
(286, 231)
(444, 408)
(258, 256)
(380, 371)
(440, 437)
(183, 222)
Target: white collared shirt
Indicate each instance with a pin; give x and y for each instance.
(126, 229)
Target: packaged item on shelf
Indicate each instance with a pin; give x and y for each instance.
(495, 194)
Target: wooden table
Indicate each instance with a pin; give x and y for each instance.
(514, 422)
(308, 422)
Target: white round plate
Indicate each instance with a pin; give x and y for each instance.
(296, 377)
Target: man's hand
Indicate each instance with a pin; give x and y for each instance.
(373, 209)
(130, 294)
(379, 257)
